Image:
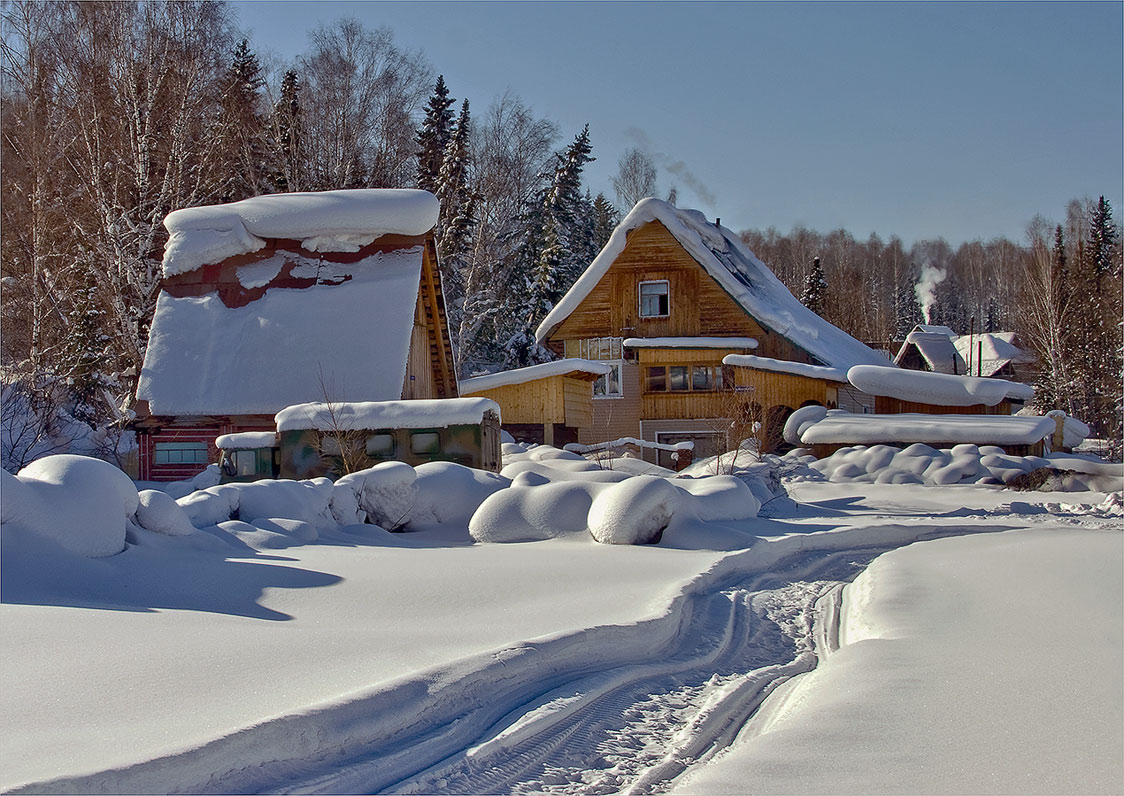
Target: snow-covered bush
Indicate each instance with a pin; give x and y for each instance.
(449, 493)
(562, 470)
(635, 511)
(307, 501)
(159, 513)
(79, 502)
(384, 495)
(717, 498)
(530, 513)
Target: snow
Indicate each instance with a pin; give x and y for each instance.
(748, 280)
(384, 495)
(283, 650)
(158, 512)
(634, 511)
(246, 440)
(940, 389)
(621, 442)
(336, 340)
(363, 415)
(785, 366)
(840, 427)
(559, 367)
(689, 342)
(977, 664)
(937, 349)
(338, 221)
(1074, 432)
(800, 420)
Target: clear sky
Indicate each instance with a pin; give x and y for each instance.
(961, 120)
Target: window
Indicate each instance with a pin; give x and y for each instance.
(425, 442)
(380, 446)
(598, 348)
(181, 452)
(684, 378)
(609, 384)
(654, 299)
(245, 462)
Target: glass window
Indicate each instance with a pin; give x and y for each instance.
(653, 299)
(657, 379)
(423, 442)
(609, 385)
(677, 377)
(380, 446)
(702, 377)
(181, 453)
(245, 462)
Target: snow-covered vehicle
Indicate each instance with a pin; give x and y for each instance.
(248, 456)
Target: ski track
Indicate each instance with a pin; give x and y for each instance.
(613, 709)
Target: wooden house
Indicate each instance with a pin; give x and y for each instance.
(668, 298)
(284, 299)
(931, 348)
(995, 355)
(551, 403)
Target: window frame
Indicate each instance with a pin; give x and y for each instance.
(618, 368)
(415, 433)
(666, 295)
(162, 452)
(717, 378)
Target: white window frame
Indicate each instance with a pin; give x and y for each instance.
(180, 452)
(618, 366)
(640, 298)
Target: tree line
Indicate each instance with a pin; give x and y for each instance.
(116, 113)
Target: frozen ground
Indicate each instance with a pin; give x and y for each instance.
(423, 662)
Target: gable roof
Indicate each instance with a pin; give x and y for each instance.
(998, 350)
(935, 347)
(745, 278)
(583, 368)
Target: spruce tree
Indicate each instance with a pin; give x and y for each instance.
(243, 134)
(605, 220)
(815, 288)
(434, 136)
(457, 217)
(287, 138)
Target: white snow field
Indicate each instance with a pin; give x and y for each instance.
(273, 644)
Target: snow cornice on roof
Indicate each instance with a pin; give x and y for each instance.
(560, 367)
(689, 342)
(336, 221)
(372, 415)
(940, 389)
(785, 366)
(745, 278)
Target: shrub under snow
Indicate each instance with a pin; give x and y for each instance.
(449, 493)
(634, 511)
(530, 513)
(81, 503)
(158, 512)
(384, 495)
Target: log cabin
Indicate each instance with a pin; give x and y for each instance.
(664, 303)
(284, 299)
(900, 390)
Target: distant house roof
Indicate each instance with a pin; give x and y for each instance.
(843, 428)
(934, 344)
(561, 367)
(939, 389)
(336, 221)
(301, 326)
(997, 348)
(745, 278)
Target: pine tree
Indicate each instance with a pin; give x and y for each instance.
(605, 220)
(243, 135)
(84, 355)
(434, 136)
(287, 136)
(815, 288)
(457, 218)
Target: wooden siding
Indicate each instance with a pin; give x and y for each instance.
(555, 400)
(432, 306)
(203, 429)
(771, 389)
(885, 405)
(697, 304)
(614, 418)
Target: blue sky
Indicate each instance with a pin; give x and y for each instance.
(960, 120)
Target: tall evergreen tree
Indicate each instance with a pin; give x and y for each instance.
(242, 138)
(287, 136)
(815, 288)
(457, 218)
(434, 136)
(605, 220)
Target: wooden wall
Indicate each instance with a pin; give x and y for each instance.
(785, 389)
(885, 405)
(698, 306)
(560, 400)
(614, 418)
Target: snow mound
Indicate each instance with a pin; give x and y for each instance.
(635, 511)
(563, 470)
(364, 415)
(449, 493)
(340, 221)
(158, 512)
(80, 503)
(532, 513)
(718, 498)
(308, 501)
(941, 389)
(384, 495)
(800, 420)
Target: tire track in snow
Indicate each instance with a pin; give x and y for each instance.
(410, 730)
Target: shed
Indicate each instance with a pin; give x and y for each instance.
(897, 390)
(994, 355)
(321, 438)
(284, 299)
(930, 348)
(551, 403)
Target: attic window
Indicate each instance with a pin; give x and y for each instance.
(654, 299)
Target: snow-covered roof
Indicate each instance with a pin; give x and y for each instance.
(748, 281)
(936, 348)
(366, 415)
(344, 338)
(843, 428)
(246, 440)
(559, 367)
(932, 328)
(338, 221)
(689, 342)
(998, 350)
(784, 366)
(940, 389)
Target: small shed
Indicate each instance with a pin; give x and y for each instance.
(898, 390)
(1018, 436)
(551, 403)
(994, 355)
(329, 439)
(930, 348)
